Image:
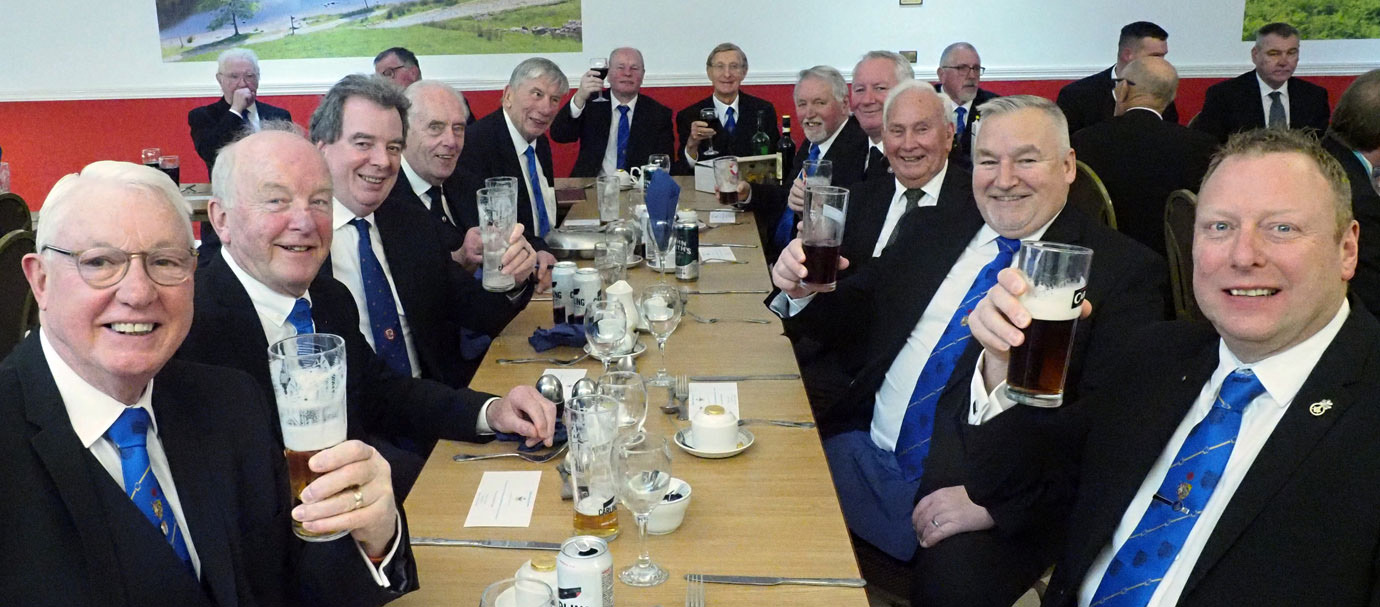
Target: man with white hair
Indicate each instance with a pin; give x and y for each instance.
(133, 478)
(873, 78)
(238, 110)
(960, 77)
(618, 134)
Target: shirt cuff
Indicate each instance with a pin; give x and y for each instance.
(785, 306)
(481, 425)
(691, 156)
(986, 405)
(575, 110)
(377, 570)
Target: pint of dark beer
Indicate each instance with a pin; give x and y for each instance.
(308, 375)
(1057, 276)
(726, 179)
(822, 234)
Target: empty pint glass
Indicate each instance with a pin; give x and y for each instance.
(591, 423)
(609, 194)
(308, 375)
(1056, 277)
(821, 234)
(497, 216)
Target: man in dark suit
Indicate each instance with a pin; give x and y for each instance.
(1141, 157)
(507, 142)
(273, 209)
(873, 78)
(910, 308)
(1200, 477)
(400, 66)
(641, 127)
(1090, 100)
(239, 110)
(135, 480)
(960, 77)
(1269, 95)
(436, 119)
(738, 113)
(1354, 140)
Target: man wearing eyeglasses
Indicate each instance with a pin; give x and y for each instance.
(616, 134)
(737, 112)
(400, 66)
(135, 479)
(960, 73)
(1089, 101)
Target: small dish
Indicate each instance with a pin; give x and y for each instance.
(745, 439)
(638, 349)
(669, 514)
(633, 260)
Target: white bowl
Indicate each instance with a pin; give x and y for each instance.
(668, 516)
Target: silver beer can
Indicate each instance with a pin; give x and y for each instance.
(562, 283)
(584, 573)
(586, 290)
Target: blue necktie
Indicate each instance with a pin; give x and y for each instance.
(300, 317)
(782, 236)
(962, 120)
(129, 434)
(913, 443)
(623, 131)
(543, 223)
(1138, 567)
(383, 310)
(729, 122)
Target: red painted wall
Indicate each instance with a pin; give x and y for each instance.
(45, 140)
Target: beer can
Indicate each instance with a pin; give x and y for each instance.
(584, 573)
(687, 250)
(562, 282)
(586, 289)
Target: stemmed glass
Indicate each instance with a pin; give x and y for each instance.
(606, 325)
(600, 66)
(628, 388)
(661, 307)
(642, 470)
(663, 241)
(712, 118)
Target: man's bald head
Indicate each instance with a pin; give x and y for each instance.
(1150, 82)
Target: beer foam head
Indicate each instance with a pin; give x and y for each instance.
(1057, 303)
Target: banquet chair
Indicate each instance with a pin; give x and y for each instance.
(1178, 245)
(1087, 194)
(17, 309)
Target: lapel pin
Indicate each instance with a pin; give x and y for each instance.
(1320, 407)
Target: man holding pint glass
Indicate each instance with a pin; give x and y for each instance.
(894, 438)
(134, 479)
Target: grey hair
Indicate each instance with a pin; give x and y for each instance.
(237, 53)
(223, 174)
(829, 75)
(903, 69)
(538, 68)
(724, 47)
(126, 175)
(922, 88)
(627, 49)
(414, 91)
(327, 120)
(1015, 103)
(955, 47)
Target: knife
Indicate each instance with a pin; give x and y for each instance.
(743, 377)
(728, 244)
(510, 544)
(725, 291)
(752, 580)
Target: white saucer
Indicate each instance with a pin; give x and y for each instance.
(638, 349)
(745, 439)
(633, 261)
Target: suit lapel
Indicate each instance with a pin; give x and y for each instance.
(1250, 92)
(241, 322)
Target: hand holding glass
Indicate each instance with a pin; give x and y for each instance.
(711, 118)
(308, 376)
(821, 235)
(497, 215)
(1056, 276)
(600, 66)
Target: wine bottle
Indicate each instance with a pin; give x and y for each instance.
(785, 146)
(761, 144)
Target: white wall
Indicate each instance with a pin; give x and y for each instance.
(94, 49)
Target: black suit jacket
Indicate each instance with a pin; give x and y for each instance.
(489, 153)
(73, 538)
(1314, 468)
(1141, 159)
(962, 152)
(452, 237)
(1089, 101)
(649, 133)
(1234, 105)
(848, 153)
(737, 144)
(1365, 205)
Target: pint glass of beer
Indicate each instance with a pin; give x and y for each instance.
(308, 375)
(1056, 276)
(591, 423)
(726, 179)
(822, 235)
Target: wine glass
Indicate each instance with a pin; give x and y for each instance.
(712, 118)
(606, 325)
(611, 259)
(661, 307)
(600, 66)
(642, 471)
(631, 392)
(663, 242)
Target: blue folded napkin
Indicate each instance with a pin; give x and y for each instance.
(558, 440)
(662, 195)
(560, 335)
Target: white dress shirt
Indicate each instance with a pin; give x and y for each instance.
(1265, 100)
(548, 193)
(951, 107)
(92, 412)
(345, 267)
(898, 206)
(421, 187)
(251, 114)
(721, 110)
(610, 164)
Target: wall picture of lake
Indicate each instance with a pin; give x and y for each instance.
(198, 30)
(1316, 19)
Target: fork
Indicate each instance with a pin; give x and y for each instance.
(564, 362)
(683, 395)
(694, 591)
(710, 321)
(533, 458)
(776, 422)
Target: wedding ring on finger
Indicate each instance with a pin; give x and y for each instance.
(359, 498)
(933, 521)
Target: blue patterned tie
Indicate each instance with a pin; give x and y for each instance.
(383, 310)
(962, 121)
(782, 236)
(543, 222)
(729, 122)
(913, 443)
(1142, 561)
(300, 317)
(623, 131)
(129, 434)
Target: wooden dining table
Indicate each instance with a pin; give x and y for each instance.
(769, 511)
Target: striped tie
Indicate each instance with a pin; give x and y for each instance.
(129, 434)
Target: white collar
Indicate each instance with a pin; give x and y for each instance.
(341, 216)
(721, 107)
(1265, 89)
(632, 103)
(420, 186)
(932, 186)
(1141, 107)
(519, 142)
(1283, 373)
(90, 410)
(269, 303)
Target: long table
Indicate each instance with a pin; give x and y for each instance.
(770, 511)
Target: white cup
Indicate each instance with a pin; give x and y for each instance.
(670, 513)
(624, 179)
(714, 429)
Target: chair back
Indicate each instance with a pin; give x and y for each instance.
(1178, 244)
(16, 302)
(14, 213)
(1087, 194)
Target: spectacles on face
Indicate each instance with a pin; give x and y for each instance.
(103, 267)
(730, 67)
(388, 73)
(964, 69)
(242, 77)
(1116, 81)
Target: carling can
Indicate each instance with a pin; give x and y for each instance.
(687, 250)
(586, 290)
(584, 573)
(562, 283)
